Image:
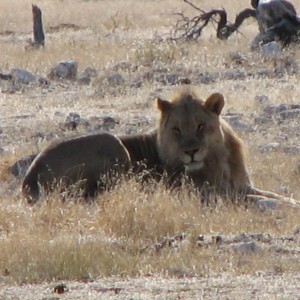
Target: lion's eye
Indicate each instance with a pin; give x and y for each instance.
(177, 131)
(200, 127)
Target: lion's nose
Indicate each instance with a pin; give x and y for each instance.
(191, 152)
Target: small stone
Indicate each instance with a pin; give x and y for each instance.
(289, 114)
(115, 79)
(277, 109)
(109, 123)
(19, 168)
(175, 79)
(237, 124)
(66, 69)
(84, 80)
(271, 50)
(205, 79)
(22, 76)
(89, 72)
(234, 75)
(237, 57)
(269, 147)
(267, 204)
(248, 248)
(72, 121)
(291, 150)
(262, 120)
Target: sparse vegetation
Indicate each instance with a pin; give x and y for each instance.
(126, 233)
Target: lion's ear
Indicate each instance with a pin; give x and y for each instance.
(163, 105)
(215, 103)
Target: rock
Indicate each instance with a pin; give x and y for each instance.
(72, 121)
(172, 79)
(291, 150)
(86, 76)
(175, 79)
(19, 168)
(108, 123)
(233, 75)
(115, 79)
(237, 124)
(268, 147)
(271, 50)
(66, 69)
(237, 57)
(248, 237)
(206, 78)
(248, 248)
(89, 72)
(262, 120)
(267, 204)
(22, 76)
(84, 80)
(277, 109)
(289, 114)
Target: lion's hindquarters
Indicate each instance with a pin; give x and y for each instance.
(89, 161)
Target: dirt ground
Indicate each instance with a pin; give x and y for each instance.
(214, 286)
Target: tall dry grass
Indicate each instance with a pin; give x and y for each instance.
(117, 234)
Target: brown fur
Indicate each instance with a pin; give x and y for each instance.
(192, 139)
(90, 162)
(193, 136)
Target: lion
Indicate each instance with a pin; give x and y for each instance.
(192, 136)
(91, 163)
(192, 141)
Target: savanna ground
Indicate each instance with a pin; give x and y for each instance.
(151, 243)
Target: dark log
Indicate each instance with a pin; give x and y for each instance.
(225, 29)
(38, 32)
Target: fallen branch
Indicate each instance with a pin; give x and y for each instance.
(191, 28)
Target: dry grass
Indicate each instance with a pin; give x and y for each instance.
(117, 234)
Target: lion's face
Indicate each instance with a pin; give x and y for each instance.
(189, 127)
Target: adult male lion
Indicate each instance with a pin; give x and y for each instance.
(193, 137)
(191, 140)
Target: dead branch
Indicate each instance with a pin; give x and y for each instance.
(191, 28)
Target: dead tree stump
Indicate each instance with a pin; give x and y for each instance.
(38, 32)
